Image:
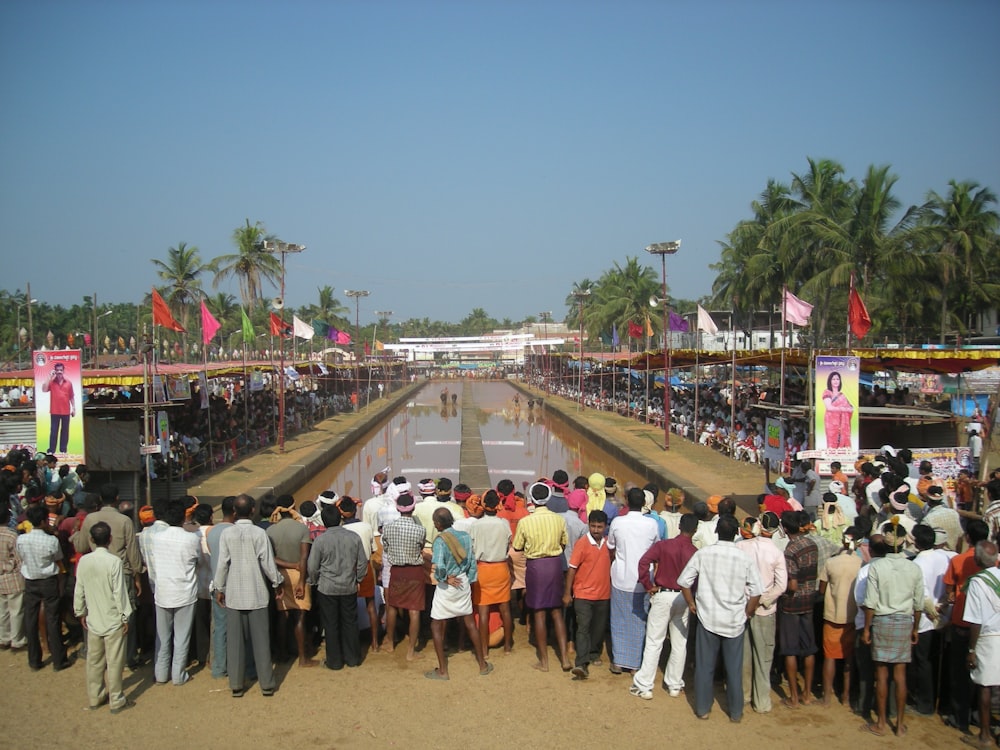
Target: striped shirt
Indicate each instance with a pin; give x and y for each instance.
(542, 534)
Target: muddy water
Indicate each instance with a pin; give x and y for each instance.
(422, 440)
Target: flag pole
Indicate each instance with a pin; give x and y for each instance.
(784, 343)
(732, 405)
(847, 334)
(208, 401)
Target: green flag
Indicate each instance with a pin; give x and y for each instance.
(248, 335)
(321, 328)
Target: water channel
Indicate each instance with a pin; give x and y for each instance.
(434, 437)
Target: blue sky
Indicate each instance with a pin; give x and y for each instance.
(452, 155)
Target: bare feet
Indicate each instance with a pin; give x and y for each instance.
(789, 703)
(873, 729)
(540, 667)
(900, 729)
(306, 663)
(414, 656)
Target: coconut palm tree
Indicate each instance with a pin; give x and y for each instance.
(251, 264)
(180, 272)
(963, 226)
(621, 296)
(329, 309)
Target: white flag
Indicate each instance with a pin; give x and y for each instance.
(302, 329)
(797, 311)
(705, 322)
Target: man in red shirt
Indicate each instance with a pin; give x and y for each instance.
(959, 569)
(667, 610)
(62, 406)
(588, 587)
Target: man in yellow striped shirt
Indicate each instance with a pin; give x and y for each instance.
(542, 537)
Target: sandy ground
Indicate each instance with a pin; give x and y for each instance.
(387, 702)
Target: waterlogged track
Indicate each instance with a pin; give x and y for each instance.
(487, 432)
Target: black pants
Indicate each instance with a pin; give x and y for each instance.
(35, 592)
(339, 615)
(202, 629)
(592, 616)
(960, 682)
(923, 670)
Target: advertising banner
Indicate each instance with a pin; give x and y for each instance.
(59, 404)
(774, 441)
(836, 410)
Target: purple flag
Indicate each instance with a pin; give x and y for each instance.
(332, 334)
(677, 323)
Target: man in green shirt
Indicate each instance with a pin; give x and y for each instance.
(101, 601)
(893, 603)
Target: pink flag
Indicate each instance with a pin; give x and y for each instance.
(797, 312)
(343, 337)
(209, 325)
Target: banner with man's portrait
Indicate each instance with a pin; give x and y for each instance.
(59, 404)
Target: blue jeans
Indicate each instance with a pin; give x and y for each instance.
(173, 628)
(707, 646)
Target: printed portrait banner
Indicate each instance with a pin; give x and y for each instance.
(178, 387)
(837, 383)
(256, 381)
(59, 404)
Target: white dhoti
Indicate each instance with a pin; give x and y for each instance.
(987, 671)
(452, 601)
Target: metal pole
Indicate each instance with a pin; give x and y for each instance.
(663, 249)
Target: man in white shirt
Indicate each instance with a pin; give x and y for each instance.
(982, 612)
(729, 591)
(174, 576)
(933, 563)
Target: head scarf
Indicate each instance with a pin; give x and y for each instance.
(405, 502)
(595, 493)
(323, 500)
(427, 488)
(474, 506)
(146, 515)
(313, 520)
(540, 493)
(462, 495)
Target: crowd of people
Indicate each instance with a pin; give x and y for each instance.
(881, 574)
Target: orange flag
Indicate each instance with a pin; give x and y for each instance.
(162, 316)
(857, 314)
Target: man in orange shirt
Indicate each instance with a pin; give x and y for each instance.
(959, 569)
(588, 587)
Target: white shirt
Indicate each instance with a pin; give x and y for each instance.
(366, 533)
(933, 563)
(176, 555)
(982, 606)
(630, 536)
(860, 590)
(705, 535)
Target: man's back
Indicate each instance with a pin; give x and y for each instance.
(245, 559)
(174, 574)
(123, 538)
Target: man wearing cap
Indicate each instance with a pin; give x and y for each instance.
(758, 645)
(668, 611)
(630, 537)
(403, 544)
(893, 603)
(491, 537)
(939, 516)
(728, 593)
(542, 536)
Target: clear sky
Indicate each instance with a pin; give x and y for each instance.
(452, 155)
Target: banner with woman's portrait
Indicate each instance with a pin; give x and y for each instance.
(836, 406)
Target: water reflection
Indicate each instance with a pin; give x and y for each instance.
(423, 440)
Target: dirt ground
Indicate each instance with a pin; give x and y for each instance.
(387, 702)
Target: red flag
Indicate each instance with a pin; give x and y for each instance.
(209, 325)
(162, 316)
(280, 327)
(368, 349)
(635, 330)
(857, 315)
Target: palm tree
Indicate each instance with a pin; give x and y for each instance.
(329, 309)
(181, 271)
(252, 265)
(964, 228)
(622, 296)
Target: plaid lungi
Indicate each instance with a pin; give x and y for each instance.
(628, 627)
(891, 638)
